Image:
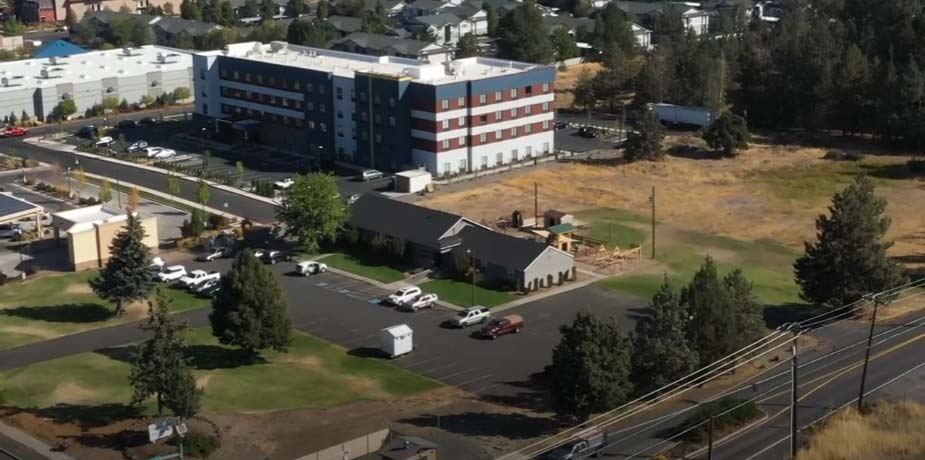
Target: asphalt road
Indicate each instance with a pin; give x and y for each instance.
(9, 446)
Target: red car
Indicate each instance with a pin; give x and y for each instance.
(510, 324)
(14, 132)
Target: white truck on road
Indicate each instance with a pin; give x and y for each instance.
(470, 316)
(671, 114)
(585, 445)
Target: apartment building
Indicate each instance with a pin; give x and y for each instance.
(382, 112)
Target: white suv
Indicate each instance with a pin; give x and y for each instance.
(171, 273)
(470, 316)
(197, 277)
(405, 294)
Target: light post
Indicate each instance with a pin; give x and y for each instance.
(68, 181)
(473, 271)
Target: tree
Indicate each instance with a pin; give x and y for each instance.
(312, 210)
(110, 103)
(584, 90)
(590, 369)
(24, 118)
(70, 18)
(661, 350)
(749, 312)
(310, 33)
(239, 169)
(646, 142)
(125, 9)
(226, 15)
(189, 9)
(375, 21)
(468, 46)
(323, 10)
(250, 9)
(105, 194)
(491, 18)
(146, 100)
(250, 310)
(712, 316)
(268, 9)
(564, 44)
(173, 185)
(580, 8)
(352, 8)
(181, 93)
(295, 8)
(159, 366)
(168, 9)
(523, 35)
(202, 193)
(13, 27)
(127, 276)
(134, 199)
(727, 134)
(849, 258)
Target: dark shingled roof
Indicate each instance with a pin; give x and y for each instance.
(384, 44)
(346, 24)
(409, 222)
(498, 248)
(10, 205)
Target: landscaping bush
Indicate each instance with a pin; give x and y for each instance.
(916, 165)
(199, 445)
(218, 221)
(194, 226)
(30, 270)
(3, 278)
(724, 417)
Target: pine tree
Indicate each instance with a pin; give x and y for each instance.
(324, 9)
(727, 134)
(564, 44)
(159, 367)
(661, 351)
(749, 312)
(849, 258)
(127, 276)
(523, 35)
(646, 142)
(712, 317)
(491, 18)
(250, 310)
(468, 46)
(591, 368)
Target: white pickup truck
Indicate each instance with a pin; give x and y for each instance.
(470, 316)
(197, 277)
(171, 273)
(405, 294)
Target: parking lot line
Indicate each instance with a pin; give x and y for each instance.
(432, 370)
(455, 374)
(460, 384)
(433, 358)
(480, 390)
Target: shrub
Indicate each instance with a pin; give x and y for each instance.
(218, 221)
(194, 226)
(725, 416)
(916, 165)
(3, 278)
(31, 270)
(199, 445)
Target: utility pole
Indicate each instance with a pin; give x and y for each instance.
(536, 205)
(794, 399)
(652, 200)
(870, 339)
(710, 439)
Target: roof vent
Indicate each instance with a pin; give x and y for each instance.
(161, 58)
(54, 60)
(127, 51)
(44, 73)
(5, 82)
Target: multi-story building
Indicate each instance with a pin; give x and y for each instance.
(36, 86)
(382, 112)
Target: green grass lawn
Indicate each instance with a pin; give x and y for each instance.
(313, 374)
(819, 182)
(370, 267)
(56, 305)
(767, 264)
(615, 226)
(460, 293)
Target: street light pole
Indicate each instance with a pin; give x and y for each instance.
(69, 182)
(794, 398)
(473, 271)
(652, 200)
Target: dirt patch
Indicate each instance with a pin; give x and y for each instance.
(36, 331)
(306, 361)
(565, 81)
(136, 310)
(203, 380)
(78, 288)
(72, 393)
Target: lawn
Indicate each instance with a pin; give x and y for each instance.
(615, 226)
(313, 374)
(767, 264)
(55, 305)
(460, 293)
(376, 268)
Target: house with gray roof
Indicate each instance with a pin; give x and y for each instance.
(695, 19)
(346, 25)
(167, 29)
(392, 7)
(384, 45)
(444, 27)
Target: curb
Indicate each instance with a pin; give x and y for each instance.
(31, 442)
(382, 285)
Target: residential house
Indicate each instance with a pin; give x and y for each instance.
(643, 36)
(82, 7)
(32, 11)
(576, 27)
(384, 45)
(167, 29)
(474, 20)
(279, 8)
(695, 19)
(425, 8)
(445, 28)
(346, 25)
(502, 7)
(435, 238)
(392, 7)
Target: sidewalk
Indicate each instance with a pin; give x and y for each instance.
(25, 440)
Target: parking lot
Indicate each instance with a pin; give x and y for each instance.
(348, 312)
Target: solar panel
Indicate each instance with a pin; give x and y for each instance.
(10, 205)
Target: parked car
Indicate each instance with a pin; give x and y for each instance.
(159, 152)
(105, 141)
(284, 184)
(424, 301)
(147, 121)
(510, 324)
(585, 445)
(353, 198)
(136, 146)
(259, 252)
(208, 288)
(157, 264)
(310, 267)
(87, 131)
(560, 125)
(14, 132)
(589, 131)
(470, 316)
(172, 273)
(214, 254)
(10, 230)
(197, 277)
(272, 257)
(370, 174)
(405, 294)
(126, 124)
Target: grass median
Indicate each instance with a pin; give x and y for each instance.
(460, 293)
(51, 306)
(376, 268)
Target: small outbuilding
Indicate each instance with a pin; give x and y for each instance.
(90, 231)
(397, 340)
(412, 181)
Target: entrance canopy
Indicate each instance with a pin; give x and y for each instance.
(13, 209)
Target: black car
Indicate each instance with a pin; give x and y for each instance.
(272, 257)
(208, 289)
(127, 124)
(588, 131)
(88, 131)
(147, 121)
(560, 125)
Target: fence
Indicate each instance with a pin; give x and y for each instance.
(351, 449)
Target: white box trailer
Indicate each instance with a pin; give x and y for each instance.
(680, 115)
(412, 181)
(397, 340)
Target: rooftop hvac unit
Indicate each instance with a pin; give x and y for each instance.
(127, 51)
(4, 82)
(161, 59)
(44, 73)
(54, 60)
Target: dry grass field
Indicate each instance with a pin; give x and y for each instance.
(891, 431)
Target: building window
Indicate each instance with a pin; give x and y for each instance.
(545, 106)
(498, 116)
(514, 132)
(528, 90)
(392, 121)
(363, 116)
(545, 147)
(324, 127)
(363, 136)
(392, 102)
(462, 121)
(237, 76)
(378, 138)
(483, 138)
(514, 155)
(497, 96)
(461, 101)
(445, 124)
(311, 106)
(320, 89)
(528, 128)
(462, 165)
(446, 144)
(362, 96)
(309, 87)
(311, 124)
(528, 151)
(545, 125)
(528, 109)
(483, 98)
(513, 93)
(545, 87)
(377, 118)
(223, 72)
(339, 92)
(446, 167)
(499, 158)
(340, 114)
(377, 100)
(322, 108)
(514, 112)
(444, 104)
(498, 135)
(202, 74)
(259, 79)
(297, 85)
(462, 141)
(483, 119)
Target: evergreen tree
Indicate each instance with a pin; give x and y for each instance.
(646, 142)
(613, 33)
(127, 276)
(268, 9)
(580, 8)
(310, 33)
(661, 351)
(712, 316)
(250, 9)
(849, 258)
(468, 46)
(655, 77)
(749, 312)
(323, 10)
(189, 9)
(295, 8)
(227, 15)
(564, 44)
(159, 367)
(727, 134)
(312, 210)
(375, 21)
(852, 88)
(591, 368)
(523, 35)
(250, 310)
(491, 18)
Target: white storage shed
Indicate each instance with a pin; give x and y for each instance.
(397, 340)
(412, 181)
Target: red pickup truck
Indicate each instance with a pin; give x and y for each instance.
(510, 324)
